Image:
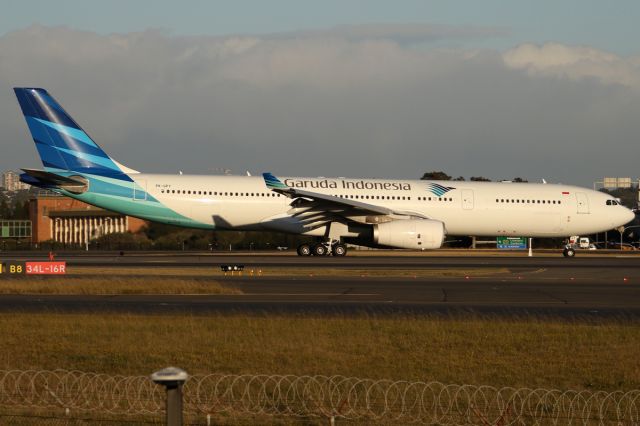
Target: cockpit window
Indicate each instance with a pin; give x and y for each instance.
(612, 203)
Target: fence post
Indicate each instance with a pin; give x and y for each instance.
(172, 378)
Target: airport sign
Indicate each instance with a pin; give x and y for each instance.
(45, 268)
(511, 242)
(33, 268)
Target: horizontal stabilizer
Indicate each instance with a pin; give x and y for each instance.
(44, 179)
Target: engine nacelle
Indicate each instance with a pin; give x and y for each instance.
(410, 234)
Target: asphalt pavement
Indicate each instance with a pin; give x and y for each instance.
(502, 285)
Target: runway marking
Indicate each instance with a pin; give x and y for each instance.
(564, 301)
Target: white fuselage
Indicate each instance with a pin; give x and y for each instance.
(466, 208)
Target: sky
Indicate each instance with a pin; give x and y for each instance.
(535, 89)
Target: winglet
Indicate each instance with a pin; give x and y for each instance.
(273, 182)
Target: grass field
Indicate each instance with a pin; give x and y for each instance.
(500, 352)
(109, 285)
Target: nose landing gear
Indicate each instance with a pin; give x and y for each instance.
(569, 252)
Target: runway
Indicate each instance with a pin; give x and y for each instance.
(289, 259)
(586, 286)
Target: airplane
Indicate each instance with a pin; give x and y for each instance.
(386, 213)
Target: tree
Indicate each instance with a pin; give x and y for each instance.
(435, 176)
(459, 179)
(5, 210)
(519, 180)
(21, 211)
(479, 179)
(124, 241)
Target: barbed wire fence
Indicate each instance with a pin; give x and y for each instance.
(76, 394)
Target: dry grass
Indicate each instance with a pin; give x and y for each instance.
(104, 284)
(101, 281)
(500, 352)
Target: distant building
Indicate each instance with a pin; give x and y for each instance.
(616, 182)
(70, 221)
(11, 182)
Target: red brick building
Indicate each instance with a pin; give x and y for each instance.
(66, 220)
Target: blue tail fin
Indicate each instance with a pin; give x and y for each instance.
(61, 142)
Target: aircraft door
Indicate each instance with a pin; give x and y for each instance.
(583, 203)
(139, 190)
(467, 199)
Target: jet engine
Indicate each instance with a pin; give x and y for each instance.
(410, 234)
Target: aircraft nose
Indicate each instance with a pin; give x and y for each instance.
(628, 216)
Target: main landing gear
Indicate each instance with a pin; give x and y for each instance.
(323, 249)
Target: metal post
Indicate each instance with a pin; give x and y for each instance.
(172, 379)
(621, 229)
(174, 404)
(530, 247)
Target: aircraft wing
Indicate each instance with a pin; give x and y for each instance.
(317, 209)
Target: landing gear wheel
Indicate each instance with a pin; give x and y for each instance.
(569, 252)
(320, 250)
(339, 250)
(304, 250)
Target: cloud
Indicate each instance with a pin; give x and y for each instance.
(400, 32)
(365, 106)
(575, 63)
